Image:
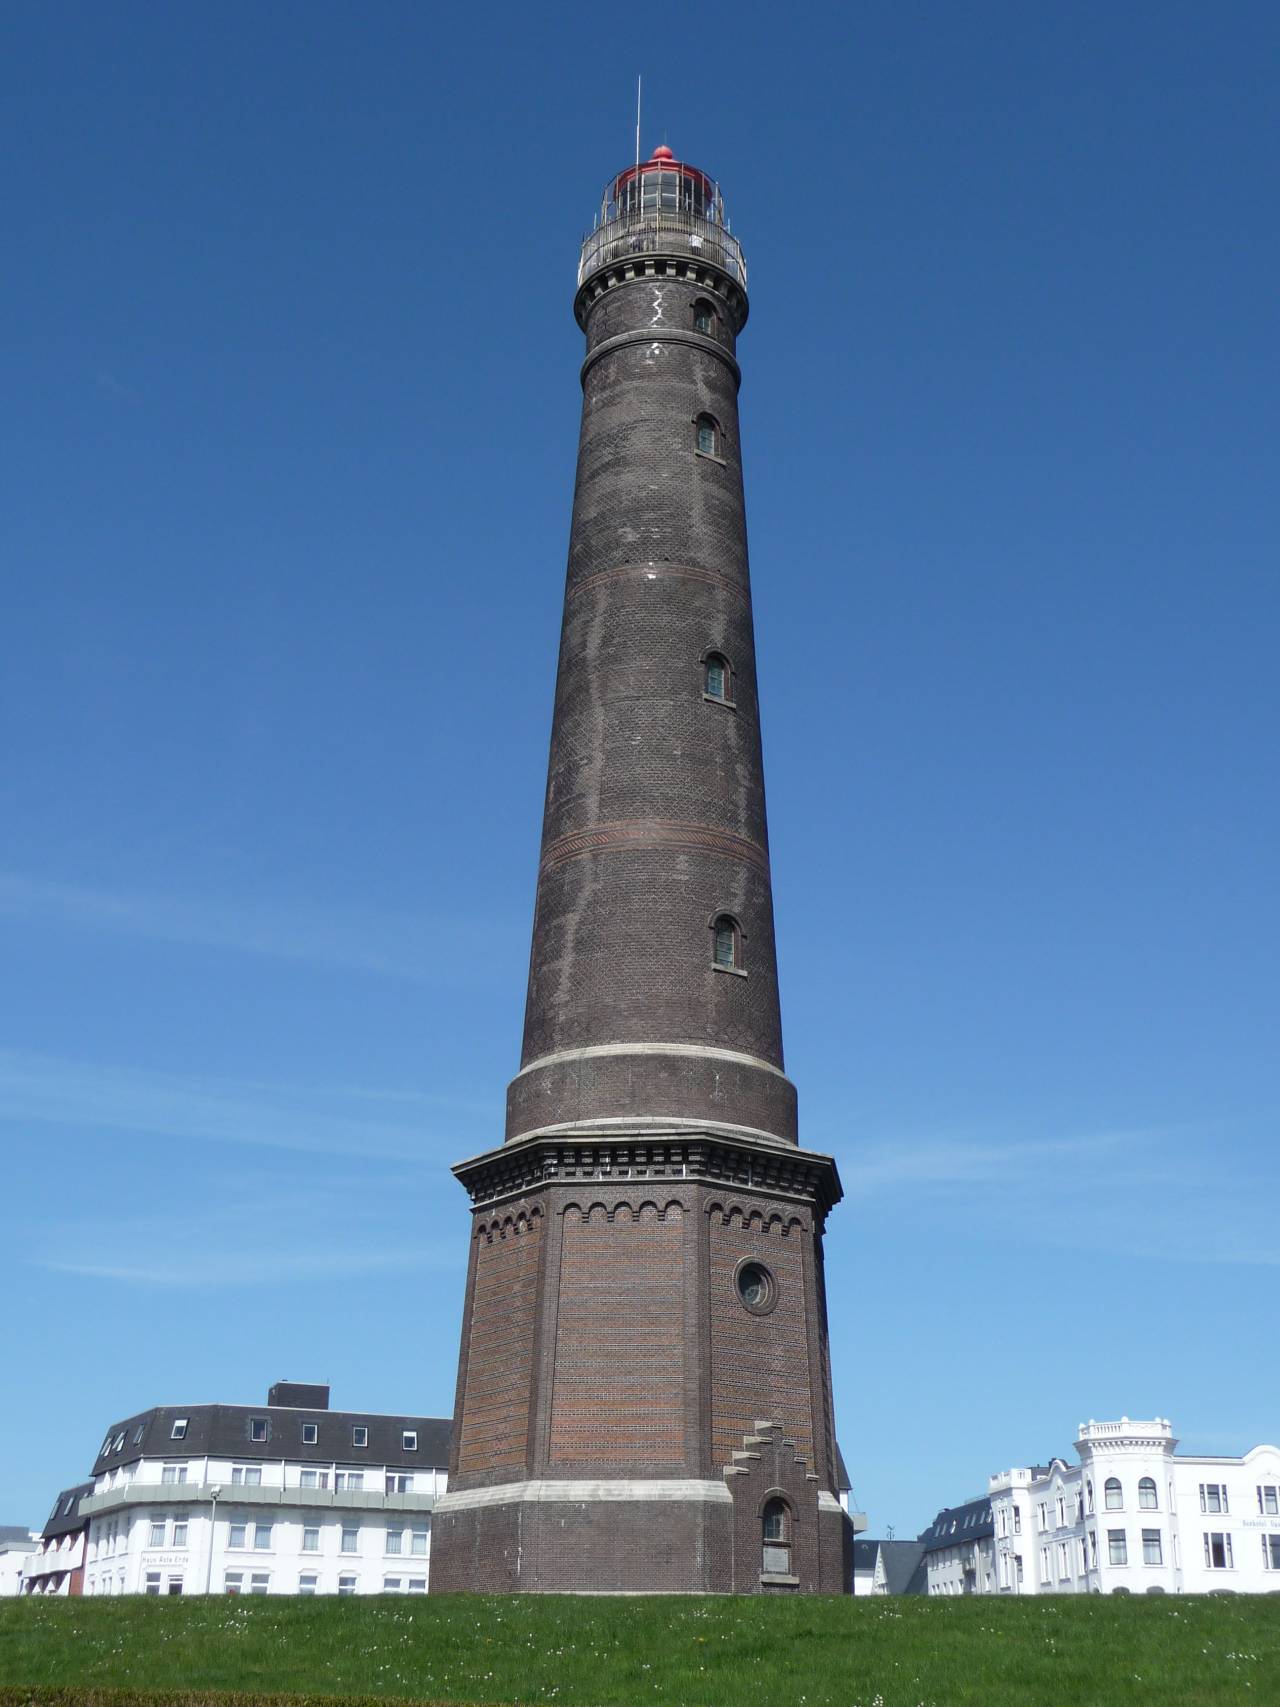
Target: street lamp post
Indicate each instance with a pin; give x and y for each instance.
(214, 1494)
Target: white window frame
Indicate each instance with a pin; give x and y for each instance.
(1151, 1539)
(359, 1434)
(259, 1430)
(408, 1440)
(179, 1429)
(1117, 1542)
(262, 1536)
(346, 1584)
(310, 1434)
(308, 1582)
(1223, 1535)
(309, 1545)
(352, 1530)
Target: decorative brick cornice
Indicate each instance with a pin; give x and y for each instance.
(644, 268)
(708, 1158)
(648, 833)
(660, 571)
(650, 335)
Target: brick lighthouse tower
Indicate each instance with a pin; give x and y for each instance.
(644, 1389)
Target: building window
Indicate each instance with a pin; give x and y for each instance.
(346, 1585)
(350, 1480)
(232, 1582)
(175, 1585)
(157, 1532)
(399, 1484)
(258, 1429)
(237, 1535)
(1017, 1520)
(775, 1534)
(409, 1440)
(417, 1585)
(138, 1434)
(350, 1538)
(708, 436)
(704, 318)
(1271, 1552)
(1117, 1547)
(153, 1582)
(118, 1445)
(1088, 1495)
(310, 1434)
(180, 1532)
(179, 1429)
(756, 1286)
(1151, 1554)
(1217, 1552)
(1093, 1549)
(1147, 1500)
(307, 1583)
(1112, 1494)
(394, 1537)
(360, 1435)
(726, 949)
(1213, 1496)
(391, 1585)
(1062, 1512)
(313, 1479)
(1269, 1501)
(717, 678)
(311, 1540)
(173, 1473)
(246, 1475)
(259, 1581)
(1064, 1569)
(262, 1537)
(418, 1540)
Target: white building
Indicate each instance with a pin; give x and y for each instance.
(959, 1550)
(16, 1546)
(56, 1566)
(1135, 1516)
(283, 1498)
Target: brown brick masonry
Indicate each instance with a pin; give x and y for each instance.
(654, 833)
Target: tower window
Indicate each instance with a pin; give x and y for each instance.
(708, 436)
(704, 318)
(727, 939)
(775, 1535)
(717, 678)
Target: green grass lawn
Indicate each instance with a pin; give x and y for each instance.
(605, 1652)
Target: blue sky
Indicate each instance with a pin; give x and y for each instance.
(293, 406)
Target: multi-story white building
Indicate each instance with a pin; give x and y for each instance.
(283, 1498)
(57, 1564)
(1134, 1516)
(959, 1550)
(16, 1546)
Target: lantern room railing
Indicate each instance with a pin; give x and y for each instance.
(665, 231)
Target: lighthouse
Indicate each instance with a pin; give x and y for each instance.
(644, 1389)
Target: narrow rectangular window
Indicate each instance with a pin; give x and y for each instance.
(258, 1429)
(236, 1534)
(180, 1532)
(418, 1539)
(1271, 1552)
(409, 1439)
(262, 1536)
(350, 1538)
(1217, 1551)
(1151, 1551)
(157, 1532)
(393, 1540)
(1117, 1547)
(360, 1435)
(310, 1540)
(310, 1433)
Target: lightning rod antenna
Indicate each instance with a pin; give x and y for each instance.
(637, 120)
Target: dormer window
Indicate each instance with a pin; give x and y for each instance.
(409, 1440)
(310, 1434)
(359, 1435)
(179, 1429)
(258, 1430)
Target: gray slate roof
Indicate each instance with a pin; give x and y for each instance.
(956, 1524)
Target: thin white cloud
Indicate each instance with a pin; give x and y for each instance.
(422, 948)
(939, 1162)
(198, 1268)
(39, 1089)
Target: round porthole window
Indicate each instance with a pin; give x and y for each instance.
(757, 1288)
